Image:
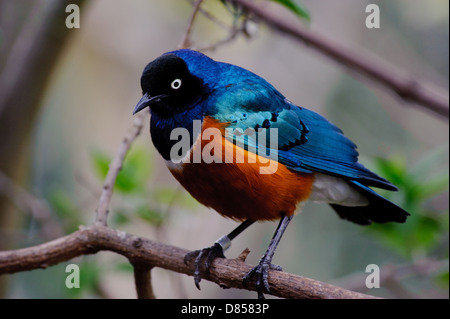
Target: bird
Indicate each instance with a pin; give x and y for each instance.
(189, 94)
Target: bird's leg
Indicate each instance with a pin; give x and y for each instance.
(262, 270)
(215, 251)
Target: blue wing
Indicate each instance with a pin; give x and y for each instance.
(307, 142)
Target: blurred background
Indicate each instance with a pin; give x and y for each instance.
(72, 109)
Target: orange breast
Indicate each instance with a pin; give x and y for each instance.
(239, 190)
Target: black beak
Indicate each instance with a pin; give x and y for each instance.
(147, 100)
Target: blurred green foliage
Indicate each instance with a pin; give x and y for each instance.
(66, 210)
(424, 230)
(90, 275)
(298, 9)
(425, 233)
(133, 176)
(353, 106)
(137, 198)
(150, 203)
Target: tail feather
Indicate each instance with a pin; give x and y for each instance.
(379, 210)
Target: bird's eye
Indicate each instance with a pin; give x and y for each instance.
(176, 84)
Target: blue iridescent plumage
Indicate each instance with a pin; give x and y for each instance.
(317, 161)
(245, 100)
(241, 96)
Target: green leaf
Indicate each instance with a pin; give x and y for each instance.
(425, 229)
(165, 195)
(64, 207)
(101, 161)
(174, 196)
(427, 232)
(392, 236)
(120, 217)
(294, 7)
(90, 274)
(125, 267)
(442, 279)
(135, 172)
(393, 169)
(136, 169)
(149, 215)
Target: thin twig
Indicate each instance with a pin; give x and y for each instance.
(407, 87)
(186, 42)
(394, 274)
(210, 17)
(142, 273)
(227, 273)
(27, 202)
(234, 32)
(114, 169)
(145, 254)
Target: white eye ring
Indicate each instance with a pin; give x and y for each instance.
(176, 84)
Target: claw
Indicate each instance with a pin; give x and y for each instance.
(262, 270)
(210, 254)
(276, 267)
(262, 276)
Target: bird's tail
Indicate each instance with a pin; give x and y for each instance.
(379, 210)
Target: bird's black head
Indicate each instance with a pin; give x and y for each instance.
(168, 87)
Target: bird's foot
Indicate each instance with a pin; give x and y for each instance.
(262, 276)
(207, 254)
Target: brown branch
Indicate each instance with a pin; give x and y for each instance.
(145, 254)
(228, 273)
(407, 87)
(142, 272)
(142, 280)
